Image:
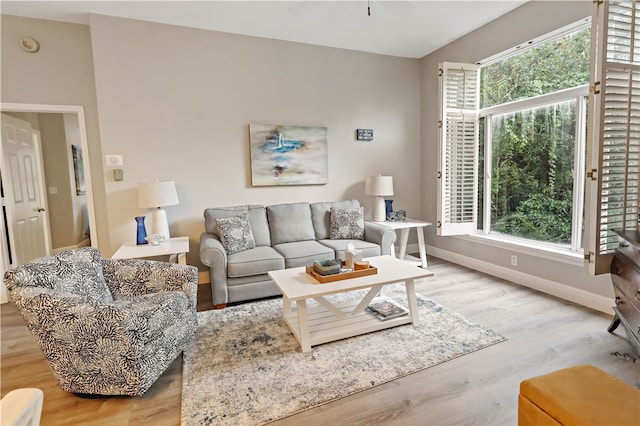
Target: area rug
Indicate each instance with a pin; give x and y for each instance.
(244, 367)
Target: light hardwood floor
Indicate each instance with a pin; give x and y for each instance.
(544, 334)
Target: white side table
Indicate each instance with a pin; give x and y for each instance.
(177, 249)
(404, 227)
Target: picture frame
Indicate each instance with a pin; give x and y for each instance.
(288, 155)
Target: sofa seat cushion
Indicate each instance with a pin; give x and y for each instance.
(340, 246)
(255, 261)
(303, 253)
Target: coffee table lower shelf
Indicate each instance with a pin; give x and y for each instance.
(326, 325)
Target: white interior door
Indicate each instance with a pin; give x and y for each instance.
(22, 190)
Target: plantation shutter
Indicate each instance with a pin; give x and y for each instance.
(459, 98)
(613, 173)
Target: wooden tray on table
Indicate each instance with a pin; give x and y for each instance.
(371, 270)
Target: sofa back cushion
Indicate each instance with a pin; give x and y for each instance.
(257, 220)
(290, 222)
(321, 216)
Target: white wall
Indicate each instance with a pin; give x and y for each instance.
(177, 104)
(532, 20)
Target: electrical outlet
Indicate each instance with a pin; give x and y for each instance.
(117, 175)
(514, 260)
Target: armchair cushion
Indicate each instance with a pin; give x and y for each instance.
(153, 313)
(133, 277)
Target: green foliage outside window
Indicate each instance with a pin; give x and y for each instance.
(533, 150)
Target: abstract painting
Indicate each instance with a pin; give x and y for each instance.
(288, 155)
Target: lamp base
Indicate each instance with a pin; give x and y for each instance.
(379, 210)
(160, 225)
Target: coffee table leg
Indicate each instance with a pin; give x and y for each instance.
(303, 323)
(413, 302)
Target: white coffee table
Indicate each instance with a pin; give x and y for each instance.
(329, 322)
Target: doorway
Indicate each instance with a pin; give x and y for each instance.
(73, 121)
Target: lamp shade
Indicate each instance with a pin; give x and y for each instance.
(379, 186)
(157, 194)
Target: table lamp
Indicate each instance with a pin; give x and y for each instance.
(155, 195)
(379, 186)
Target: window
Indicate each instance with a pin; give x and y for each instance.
(531, 119)
(533, 141)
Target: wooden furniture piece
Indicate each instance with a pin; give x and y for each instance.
(176, 248)
(580, 395)
(625, 276)
(329, 322)
(404, 228)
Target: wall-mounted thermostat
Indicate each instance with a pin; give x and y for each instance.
(364, 134)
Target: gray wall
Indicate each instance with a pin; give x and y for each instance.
(177, 104)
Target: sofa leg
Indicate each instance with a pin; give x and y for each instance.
(220, 306)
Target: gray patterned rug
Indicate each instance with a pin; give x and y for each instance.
(245, 367)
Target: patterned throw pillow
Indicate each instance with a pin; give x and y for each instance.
(235, 233)
(347, 224)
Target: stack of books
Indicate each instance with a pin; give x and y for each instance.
(386, 309)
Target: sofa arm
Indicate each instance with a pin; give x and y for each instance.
(135, 277)
(213, 255)
(383, 236)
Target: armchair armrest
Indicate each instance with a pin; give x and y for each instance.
(135, 277)
(383, 236)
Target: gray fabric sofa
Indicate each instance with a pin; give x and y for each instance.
(286, 236)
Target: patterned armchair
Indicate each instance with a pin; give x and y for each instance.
(106, 326)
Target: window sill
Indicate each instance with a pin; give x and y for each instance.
(523, 247)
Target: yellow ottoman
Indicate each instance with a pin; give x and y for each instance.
(581, 395)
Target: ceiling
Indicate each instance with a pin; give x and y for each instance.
(402, 28)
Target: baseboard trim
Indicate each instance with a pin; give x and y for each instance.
(575, 295)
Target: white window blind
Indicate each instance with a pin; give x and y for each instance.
(613, 176)
(459, 98)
